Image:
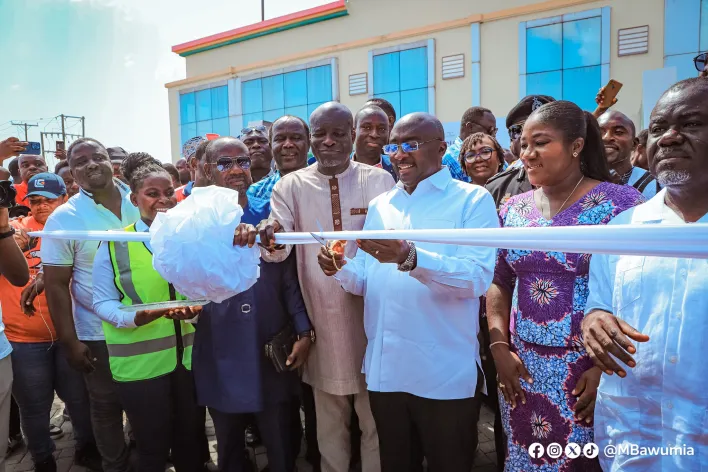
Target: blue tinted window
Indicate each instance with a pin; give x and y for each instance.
(545, 83)
(203, 104)
(578, 85)
(252, 96)
(582, 43)
(564, 60)
(704, 26)
(295, 88)
(414, 100)
(544, 48)
(300, 112)
(387, 73)
(251, 117)
(402, 79)
(220, 102)
(319, 84)
(273, 93)
(414, 68)
(685, 69)
(682, 22)
(188, 131)
(187, 108)
(272, 115)
(203, 127)
(394, 98)
(221, 127)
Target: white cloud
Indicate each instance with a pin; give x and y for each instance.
(15, 87)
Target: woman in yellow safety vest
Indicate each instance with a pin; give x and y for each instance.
(150, 352)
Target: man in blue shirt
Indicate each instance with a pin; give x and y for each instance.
(232, 376)
(290, 143)
(474, 120)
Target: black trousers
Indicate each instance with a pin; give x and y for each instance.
(275, 425)
(492, 398)
(164, 416)
(443, 430)
(312, 454)
(14, 419)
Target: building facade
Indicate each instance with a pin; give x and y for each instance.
(439, 56)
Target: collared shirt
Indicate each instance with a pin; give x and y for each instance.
(106, 296)
(451, 159)
(82, 213)
(259, 193)
(422, 325)
(638, 174)
(5, 347)
(384, 163)
(663, 401)
(509, 183)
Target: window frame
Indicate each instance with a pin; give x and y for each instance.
(678, 30)
(194, 90)
(430, 51)
(603, 13)
(235, 90)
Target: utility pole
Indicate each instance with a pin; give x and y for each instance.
(26, 126)
(49, 138)
(262, 10)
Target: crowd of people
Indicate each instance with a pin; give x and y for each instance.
(387, 348)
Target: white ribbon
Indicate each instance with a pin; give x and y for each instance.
(683, 241)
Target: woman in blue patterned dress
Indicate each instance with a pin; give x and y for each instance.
(547, 383)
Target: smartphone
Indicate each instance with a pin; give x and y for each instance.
(611, 90)
(33, 148)
(61, 146)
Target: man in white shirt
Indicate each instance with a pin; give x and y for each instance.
(660, 302)
(421, 305)
(103, 203)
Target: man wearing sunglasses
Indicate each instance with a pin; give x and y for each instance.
(333, 194)
(256, 140)
(514, 180)
(701, 63)
(420, 305)
(474, 120)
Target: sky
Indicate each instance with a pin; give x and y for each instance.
(107, 60)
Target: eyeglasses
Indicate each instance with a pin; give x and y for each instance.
(225, 163)
(515, 131)
(700, 61)
(484, 155)
(253, 129)
(392, 149)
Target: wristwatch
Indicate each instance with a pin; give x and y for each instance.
(7, 234)
(308, 334)
(409, 264)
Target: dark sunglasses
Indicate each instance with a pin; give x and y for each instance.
(515, 131)
(484, 155)
(226, 163)
(253, 129)
(700, 61)
(392, 149)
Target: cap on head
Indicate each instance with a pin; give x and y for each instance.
(46, 185)
(117, 154)
(189, 148)
(525, 107)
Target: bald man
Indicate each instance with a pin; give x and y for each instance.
(421, 305)
(334, 193)
(619, 137)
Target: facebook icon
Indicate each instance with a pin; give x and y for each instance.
(536, 450)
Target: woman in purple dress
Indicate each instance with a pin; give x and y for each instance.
(547, 383)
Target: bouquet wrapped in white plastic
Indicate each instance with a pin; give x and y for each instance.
(193, 246)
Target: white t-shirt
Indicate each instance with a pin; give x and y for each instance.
(82, 213)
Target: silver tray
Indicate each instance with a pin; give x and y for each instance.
(164, 305)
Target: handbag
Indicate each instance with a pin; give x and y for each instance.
(279, 348)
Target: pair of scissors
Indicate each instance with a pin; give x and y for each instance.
(324, 244)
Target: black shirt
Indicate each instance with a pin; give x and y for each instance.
(509, 183)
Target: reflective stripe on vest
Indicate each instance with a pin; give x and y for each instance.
(151, 350)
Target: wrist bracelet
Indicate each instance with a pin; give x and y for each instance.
(7, 234)
(499, 342)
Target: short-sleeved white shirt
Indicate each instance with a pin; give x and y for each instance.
(82, 213)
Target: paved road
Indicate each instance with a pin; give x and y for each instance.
(20, 460)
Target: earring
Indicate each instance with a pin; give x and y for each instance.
(575, 154)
